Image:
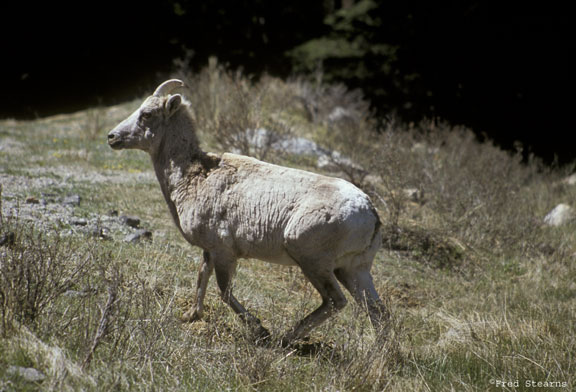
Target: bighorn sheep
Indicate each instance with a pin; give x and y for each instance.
(233, 207)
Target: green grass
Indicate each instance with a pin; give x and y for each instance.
(479, 290)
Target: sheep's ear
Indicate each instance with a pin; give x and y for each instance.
(173, 104)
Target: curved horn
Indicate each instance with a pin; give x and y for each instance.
(167, 87)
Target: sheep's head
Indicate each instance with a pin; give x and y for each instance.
(144, 128)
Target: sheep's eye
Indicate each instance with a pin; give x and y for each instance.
(145, 115)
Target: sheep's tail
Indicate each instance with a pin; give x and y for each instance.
(377, 226)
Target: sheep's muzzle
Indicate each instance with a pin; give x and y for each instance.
(114, 141)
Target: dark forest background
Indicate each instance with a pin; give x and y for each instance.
(505, 69)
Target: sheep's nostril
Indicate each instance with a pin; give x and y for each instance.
(114, 141)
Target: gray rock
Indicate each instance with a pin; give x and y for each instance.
(132, 221)
(327, 160)
(101, 232)
(28, 374)
(72, 200)
(48, 198)
(339, 114)
(262, 137)
(297, 146)
(413, 194)
(78, 222)
(333, 161)
(139, 235)
(560, 215)
(570, 180)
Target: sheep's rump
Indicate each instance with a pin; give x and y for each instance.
(270, 212)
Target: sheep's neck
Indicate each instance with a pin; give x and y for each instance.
(179, 165)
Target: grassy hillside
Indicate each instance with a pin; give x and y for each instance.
(481, 292)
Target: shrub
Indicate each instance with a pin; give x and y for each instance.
(35, 270)
(231, 110)
(473, 191)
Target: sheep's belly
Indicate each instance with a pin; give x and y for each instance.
(282, 258)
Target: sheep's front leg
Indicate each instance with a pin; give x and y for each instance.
(201, 285)
(225, 269)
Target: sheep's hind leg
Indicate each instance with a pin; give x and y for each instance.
(201, 285)
(225, 269)
(359, 283)
(333, 300)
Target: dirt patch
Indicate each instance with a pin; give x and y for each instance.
(68, 174)
(11, 146)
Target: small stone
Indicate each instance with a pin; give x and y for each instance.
(340, 114)
(48, 198)
(32, 200)
(560, 215)
(570, 180)
(413, 194)
(139, 235)
(101, 232)
(72, 200)
(28, 374)
(132, 221)
(79, 222)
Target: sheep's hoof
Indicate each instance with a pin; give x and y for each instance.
(289, 341)
(191, 316)
(262, 336)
